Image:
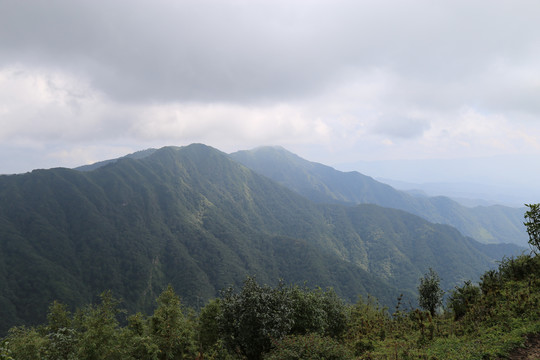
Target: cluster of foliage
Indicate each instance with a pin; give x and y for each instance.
(483, 321)
(258, 321)
(533, 226)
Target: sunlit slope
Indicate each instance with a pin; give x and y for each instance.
(321, 183)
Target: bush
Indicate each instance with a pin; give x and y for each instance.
(249, 320)
(463, 298)
(367, 325)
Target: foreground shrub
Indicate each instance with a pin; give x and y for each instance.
(463, 298)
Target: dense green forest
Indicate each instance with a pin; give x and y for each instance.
(196, 219)
(483, 321)
(323, 184)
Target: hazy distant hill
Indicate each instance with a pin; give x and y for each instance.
(196, 219)
(467, 194)
(320, 183)
(495, 178)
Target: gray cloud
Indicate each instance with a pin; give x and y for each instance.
(255, 50)
(185, 51)
(401, 127)
(458, 76)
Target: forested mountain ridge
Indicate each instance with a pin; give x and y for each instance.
(196, 219)
(321, 183)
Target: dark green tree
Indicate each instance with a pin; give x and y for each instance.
(533, 226)
(58, 317)
(171, 329)
(137, 340)
(317, 311)
(336, 314)
(208, 325)
(463, 298)
(252, 319)
(25, 343)
(308, 311)
(430, 293)
(62, 345)
(62, 337)
(100, 333)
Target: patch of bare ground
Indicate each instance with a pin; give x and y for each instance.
(531, 350)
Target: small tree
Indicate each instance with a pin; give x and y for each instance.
(208, 325)
(62, 338)
(170, 329)
(430, 293)
(533, 226)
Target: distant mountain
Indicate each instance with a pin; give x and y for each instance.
(496, 178)
(197, 219)
(467, 194)
(323, 184)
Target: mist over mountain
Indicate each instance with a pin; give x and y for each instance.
(467, 194)
(197, 219)
(499, 179)
(321, 183)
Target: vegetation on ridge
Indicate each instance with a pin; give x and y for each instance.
(484, 321)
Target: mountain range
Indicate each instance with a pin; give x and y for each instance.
(321, 183)
(201, 220)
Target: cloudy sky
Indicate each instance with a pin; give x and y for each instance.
(333, 81)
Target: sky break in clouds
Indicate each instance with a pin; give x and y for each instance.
(334, 81)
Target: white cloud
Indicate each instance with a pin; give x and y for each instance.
(38, 104)
(228, 124)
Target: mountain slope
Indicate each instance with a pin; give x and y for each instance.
(320, 183)
(194, 218)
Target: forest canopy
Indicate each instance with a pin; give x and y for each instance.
(257, 321)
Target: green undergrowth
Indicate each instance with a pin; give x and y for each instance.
(487, 320)
(484, 321)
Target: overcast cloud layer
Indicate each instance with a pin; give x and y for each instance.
(335, 81)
